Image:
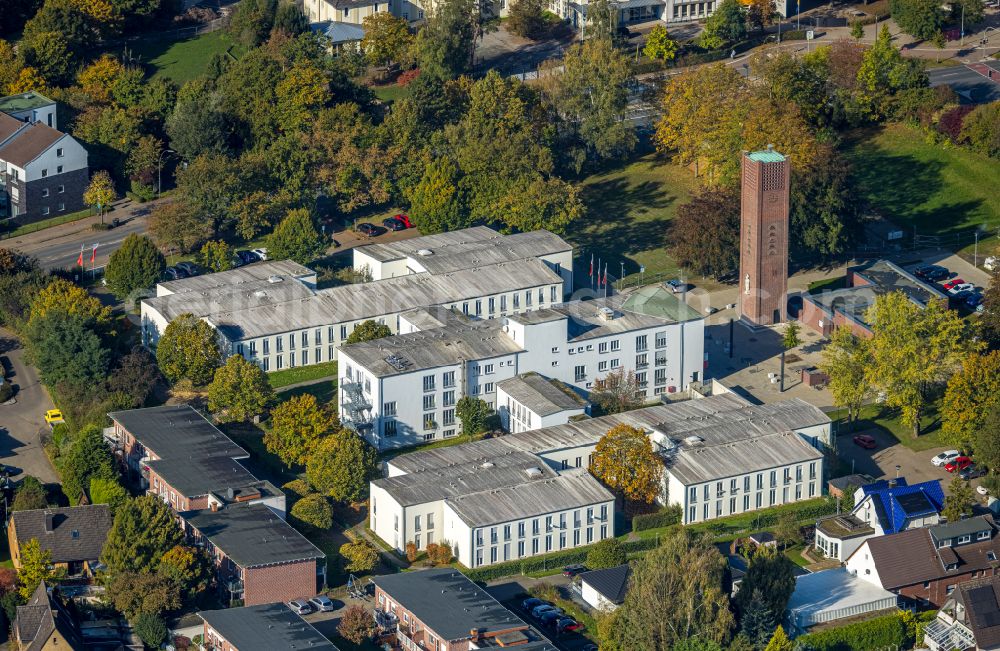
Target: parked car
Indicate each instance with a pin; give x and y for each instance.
(573, 570)
(549, 618)
(393, 224)
(865, 441)
(261, 253)
(300, 606)
(972, 472)
(365, 228)
(974, 301)
(247, 257)
(945, 457)
(54, 417)
(322, 603)
(678, 286)
(958, 463)
(538, 611)
(405, 219)
(174, 273)
(189, 268)
(568, 624)
(951, 283)
(931, 272)
(963, 287)
(530, 603)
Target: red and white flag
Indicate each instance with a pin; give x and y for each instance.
(79, 260)
(591, 265)
(93, 253)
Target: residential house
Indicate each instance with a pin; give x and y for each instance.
(266, 627)
(880, 508)
(605, 589)
(925, 565)
(74, 535)
(833, 595)
(43, 171)
(44, 624)
(402, 390)
(838, 486)
(442, 609)
(532, 401)
(969, 619)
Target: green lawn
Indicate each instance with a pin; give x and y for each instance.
(918, 184)
(184, 60)
(628, 210)
(887, 420)
(324, 392)
(302, 374)
(391, 93)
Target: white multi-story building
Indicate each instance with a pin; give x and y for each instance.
(403, 390)
(529, 493)
(532, 401)
(272, 313)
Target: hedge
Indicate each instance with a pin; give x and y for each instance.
(889, 631)
(662, 518)
(544, 562)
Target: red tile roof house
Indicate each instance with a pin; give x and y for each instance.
(969, 619)
(924, 566)
(176, 453)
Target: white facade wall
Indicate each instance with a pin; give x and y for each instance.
(862, 565)
(45, 114)
(839, 549)
(595, 598)
(515, 417)
(323, 10)
(48, 164)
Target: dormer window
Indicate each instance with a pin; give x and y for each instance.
(991, 556)
(983, 535)
(945, 543)
(964, 539)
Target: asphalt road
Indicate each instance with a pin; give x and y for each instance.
(22, 421)
(974, 87)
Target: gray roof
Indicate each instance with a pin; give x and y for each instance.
(540, 394)
(611, 582)
(247, 274)
(881, 277)
(361, 301)
(655, 300)
(466, 458)
(502, 248)
(573, 489)
(339, 32)
(729, 458)
(584, 320)
(418, 351)
(252, 535)
(74, 533)
(177, 432)
(966, 527)
(42, 616)
(246, 295)
(265, 628)
(388, 251)
(24, 102)
(451, 605)
(449, 483)
(192, 476)
(436, 316)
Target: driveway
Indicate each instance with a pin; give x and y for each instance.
(22, 421)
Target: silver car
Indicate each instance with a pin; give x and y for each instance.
(300, 606)
(322, 603)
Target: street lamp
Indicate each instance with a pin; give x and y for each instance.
(159, 170)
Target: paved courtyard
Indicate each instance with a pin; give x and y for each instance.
(22, 421)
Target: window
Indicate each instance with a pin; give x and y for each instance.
(487, 369)
(62, 189)
(343, 332)
(45, 192)
(389, 408)
(318, 337)
(305, 357)
(448, 398)
(503, 303)
(45, 173)
(602, 347)
(59, 152)
(661, 339)
(580, 373)
(59, 169)
(640, 343)
(982, 535)
(416, 523)
(964, 539)
(527, 298)
(693, 494)
(746, 502)
(517, 301)
(448, 417)
(641, 361)
(429, 402)
(479, 307)
(448, 379)
(615, 345)
(428, 383)
(492, 305)
(390, 426)
(602, 365)
(616, 363)
(552, 294)
(465, 308)
(291, 342)
(506, 532)
(428, 421)
(520, 530)
(45, 210)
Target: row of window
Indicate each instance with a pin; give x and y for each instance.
(758, 503)
(475, 308)
(536, 525)
(303, 358)
(734, 483)
(501, 553)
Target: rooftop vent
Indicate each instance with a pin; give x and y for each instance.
(424, 252)
(606, 313)
(260, 293)
(398, 362)
(274, 279)
(693, 440)
(533, 473)
(487, 464)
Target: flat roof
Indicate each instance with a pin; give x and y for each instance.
(387, 251)
(177, 432)
(192, 476)
(253, 535)
(449, 604)
(250, 273)
(832, 590)
(24, 102)
(450, 483)
(502, 248)
(655, 300)
(265, 628)
(468, 457)
(586, 319)
(244, 295)
(541, 395)
(766, 156)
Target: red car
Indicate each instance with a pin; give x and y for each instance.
(405, 219)
(952, 283)
(865, 441)
(958, 463)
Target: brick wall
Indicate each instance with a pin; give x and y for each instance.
(284, 582)
(210, 635)
(73, 185)
(937, 592)
(179, 502)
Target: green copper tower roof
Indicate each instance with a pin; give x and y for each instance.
(24, 101)
(766, 156)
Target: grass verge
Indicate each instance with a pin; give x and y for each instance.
(882, 418)
(34, 227)
(184, 60)
(298, 374)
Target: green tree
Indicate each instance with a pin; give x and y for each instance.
(341, 465)
(959, 500)
(60, 295)
(756, 620)
(189, 569)
(189, 348)
(526, 18)
(295, 238)
(913, 350)
(50, 54)
(790, 336)
(367, 331)
(987, 442)
(445, 43)
(602, 20)
(704, 237)
(30, 495)
(134, 377)
(136, 264)
(138, 593)
(312, 512)
(780, 641)
(178, 227)
(216, 256)
(87, 459)
(625, 461)
(387, 38)
(435, 203)
(727, 25)
(301, 93)
(883, 73)
(846, 360)
(857, 30)
(825, 214)
(239, 391)
(198, 123)
(65, 348)
(920, 18)
(360, 556)
(108, 491)
(971, 394)
(36, 566)
(606, 553)
(981, 129)
(616, 392)
(143, 531)
(474, 415)
(770, 578)
(151, 629)
(252, 21)
(659, 45)
(675, 593)
(297, 425)
(101, 192)
(290, 19)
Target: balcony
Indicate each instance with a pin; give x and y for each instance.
(386, 621)
(939, 635)
(409, 638)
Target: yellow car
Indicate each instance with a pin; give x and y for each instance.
(53, 417)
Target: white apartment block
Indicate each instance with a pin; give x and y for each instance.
(532, 401)
(272, 313)
(529, 493)
(403, 390)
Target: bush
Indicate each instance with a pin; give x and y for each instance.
(879, 633)
(553, 561)
(605, 554)
(6, 391)
(313, 511)
(360, 556)
(666, 517)
(151, 629)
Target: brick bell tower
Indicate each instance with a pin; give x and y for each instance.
(764, 237)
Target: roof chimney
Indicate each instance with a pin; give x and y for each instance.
(214, 506)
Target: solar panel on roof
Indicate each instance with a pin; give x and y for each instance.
(914, 503)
